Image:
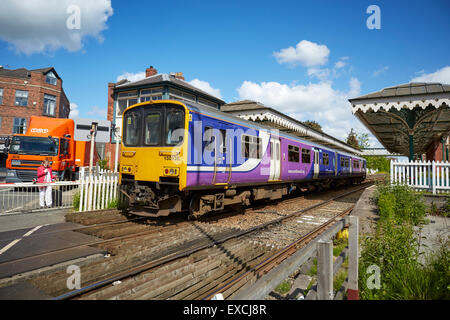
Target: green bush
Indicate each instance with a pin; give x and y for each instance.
(76, 200)
(401, 203)
(393, 248)
(382, 164)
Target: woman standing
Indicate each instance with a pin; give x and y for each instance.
(45, 175)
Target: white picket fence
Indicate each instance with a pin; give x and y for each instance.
(430, 176)
(98, 190)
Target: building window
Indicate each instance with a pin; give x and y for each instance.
(1, 95)
(306, 156)
(125, 100)
(293, 153)
(207, 103)
(51, 78)
(151, 94)
(21, 98)
(1, 121)
(180, 95)
(49, 105)
(20, 125)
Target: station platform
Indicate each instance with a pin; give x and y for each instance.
(366, 211)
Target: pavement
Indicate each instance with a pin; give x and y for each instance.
(33, 243)
(432, 235)
(366, 210)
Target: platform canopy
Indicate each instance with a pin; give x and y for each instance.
(409, 119)
(257, 112)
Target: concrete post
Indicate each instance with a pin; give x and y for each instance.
(353, 255)
(325, 270)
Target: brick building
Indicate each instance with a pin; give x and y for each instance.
(25, 93)
(155, 86)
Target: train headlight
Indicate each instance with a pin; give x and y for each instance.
(15, 162)
(171, 171)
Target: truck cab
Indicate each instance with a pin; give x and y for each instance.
(46, 139)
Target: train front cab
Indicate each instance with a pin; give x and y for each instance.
(154, 156)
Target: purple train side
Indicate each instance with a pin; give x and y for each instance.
(300, 163)
(227, 161)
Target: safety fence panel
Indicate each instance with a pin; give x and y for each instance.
(29, 196)
(98, 191)
(430, 176)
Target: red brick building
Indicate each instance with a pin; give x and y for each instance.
(25, 93)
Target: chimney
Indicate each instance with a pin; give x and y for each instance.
(179, 75)
(150, 72)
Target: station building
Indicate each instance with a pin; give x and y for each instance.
(155, 86)
(25, 93)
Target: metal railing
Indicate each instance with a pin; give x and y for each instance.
(25, 197)
(90, 192)
(420, 175)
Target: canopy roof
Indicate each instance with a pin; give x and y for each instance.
(407, 119)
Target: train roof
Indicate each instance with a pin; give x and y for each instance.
(230, 118)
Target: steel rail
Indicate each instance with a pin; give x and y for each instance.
(282, 253)
(175, 256)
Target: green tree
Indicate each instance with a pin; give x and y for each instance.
(352, 139)
(313, 124)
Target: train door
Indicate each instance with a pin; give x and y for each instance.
(222, 169)
(335, 163)
(351, 165)
(275, 159)
(316, 163)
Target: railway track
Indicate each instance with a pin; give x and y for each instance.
(179, 259)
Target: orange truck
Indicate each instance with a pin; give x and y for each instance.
(46, 139)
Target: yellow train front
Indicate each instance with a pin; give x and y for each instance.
(153, 156)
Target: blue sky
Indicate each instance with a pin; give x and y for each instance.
(235, 47)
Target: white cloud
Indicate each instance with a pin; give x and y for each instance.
(442, 75)
(131, 76)
(315, 101)
(340, 64)
(98, 112)
(307, 53)
(380, 71)
(205, 86)
(321, 74)
(74, 112)
(32, 26)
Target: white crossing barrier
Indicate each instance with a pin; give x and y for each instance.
(431, 176)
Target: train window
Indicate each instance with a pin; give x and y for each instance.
(306, 156)
(132, 126)
(174, 127)
(326, 159)
(271, 150)
(245, 146)
(251, 146)
(152, 129)
(293, 153)
(223, 132)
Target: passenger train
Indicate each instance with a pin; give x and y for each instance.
(186, 157)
